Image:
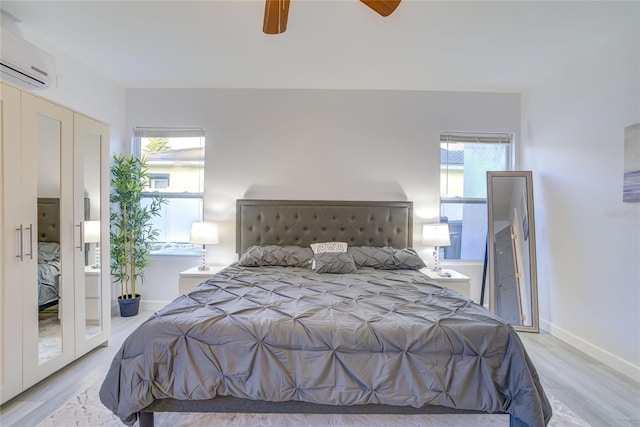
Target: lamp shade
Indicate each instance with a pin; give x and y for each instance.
(91, 231)
(436, 234)
(204, 233)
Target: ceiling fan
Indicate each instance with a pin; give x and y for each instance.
(276, 13)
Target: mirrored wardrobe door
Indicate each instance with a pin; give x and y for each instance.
(48, 281)
(91, 222)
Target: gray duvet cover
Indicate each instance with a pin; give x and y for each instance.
(48, 272)
(287, 333)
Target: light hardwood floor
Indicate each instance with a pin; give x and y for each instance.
(595, 392)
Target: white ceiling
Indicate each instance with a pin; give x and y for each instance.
(339, 44)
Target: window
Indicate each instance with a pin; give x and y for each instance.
(176, 171)
(465, 159)
(159, 180)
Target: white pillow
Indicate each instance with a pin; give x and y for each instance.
(324, 247)
(329, 247)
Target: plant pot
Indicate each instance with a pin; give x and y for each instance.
(129, 306)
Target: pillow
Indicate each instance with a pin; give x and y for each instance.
(318, 248)
(329, 247)
(386, 258)
(273, 255)
(407, 258)
(369, 256)
(334, 262)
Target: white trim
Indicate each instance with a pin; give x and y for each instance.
(623, 366)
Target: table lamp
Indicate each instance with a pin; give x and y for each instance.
(92, 235)
(436, 235)
(204, 233)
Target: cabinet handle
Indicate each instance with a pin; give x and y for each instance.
(80, 230)
(20, 255)
(30, 228)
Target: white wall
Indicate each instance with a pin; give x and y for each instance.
(79, 87)
(588, 239)
(317, 144)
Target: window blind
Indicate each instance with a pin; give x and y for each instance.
(485, 138)
(168, 132)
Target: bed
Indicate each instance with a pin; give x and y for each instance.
(48, 252)
(270, 333)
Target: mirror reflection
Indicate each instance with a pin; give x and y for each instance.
(48, 233)
(92, 280)
(511, 249)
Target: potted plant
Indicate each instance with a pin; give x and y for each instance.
(131, 231)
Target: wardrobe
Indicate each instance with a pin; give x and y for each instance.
(54, 255)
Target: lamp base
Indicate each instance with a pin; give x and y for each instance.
(442, 273)
(204, 267)
(96, 265)
(436, 260)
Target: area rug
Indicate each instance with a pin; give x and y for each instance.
(86, 410)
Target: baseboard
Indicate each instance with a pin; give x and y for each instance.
(624, 367)
(152, 305)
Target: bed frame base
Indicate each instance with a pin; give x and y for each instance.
(229, 404)
(145, 419)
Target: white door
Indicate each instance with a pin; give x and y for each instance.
(91, 219)
(12, 247)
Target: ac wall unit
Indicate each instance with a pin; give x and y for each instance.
(24, 64)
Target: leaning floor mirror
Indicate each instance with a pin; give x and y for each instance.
(511, 249)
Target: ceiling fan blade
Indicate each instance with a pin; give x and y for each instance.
(383, 7)
(276, 13)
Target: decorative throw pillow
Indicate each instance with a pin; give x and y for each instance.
(334, 262)
(369, 256)
(329, 247)
(407, 258)
(273, 255)
(318, 248)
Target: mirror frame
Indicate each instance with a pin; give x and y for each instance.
(527, 175)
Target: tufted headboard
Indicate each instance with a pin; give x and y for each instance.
(302, 222)
(49, 220)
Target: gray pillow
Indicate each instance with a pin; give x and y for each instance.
(334, 262)
(273, 255)
(369, 256)
(386, 258)
(407, 258)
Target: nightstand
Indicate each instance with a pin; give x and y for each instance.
(457, 281)
(192, 277)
